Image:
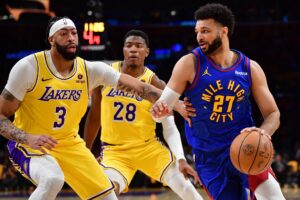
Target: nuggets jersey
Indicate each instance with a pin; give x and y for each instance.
(54, 105)
(221, 99)
(125, 118)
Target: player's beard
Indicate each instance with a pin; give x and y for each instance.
(133, 65)
(64, 53)
(216, 43)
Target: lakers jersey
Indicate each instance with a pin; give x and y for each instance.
(221, 99)
(125, 118)
(54, 105)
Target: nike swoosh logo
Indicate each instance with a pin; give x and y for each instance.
(46, 79)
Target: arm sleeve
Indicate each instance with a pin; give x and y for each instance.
(172, 137)
(21, 77)
(101, 73)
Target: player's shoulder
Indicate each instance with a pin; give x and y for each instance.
(95, 64)
(254, 66)
(186, 62)
(27, 62)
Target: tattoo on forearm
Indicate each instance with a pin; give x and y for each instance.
(9, 131)
(149, 94)
(7, 95)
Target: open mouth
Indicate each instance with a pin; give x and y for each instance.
(202, 45)
(71, 48)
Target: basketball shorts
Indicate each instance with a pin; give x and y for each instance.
(81, 170)
(220, 178)
(151, 157)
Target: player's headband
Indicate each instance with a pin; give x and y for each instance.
(62, 23)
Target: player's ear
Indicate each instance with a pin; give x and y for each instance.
(51, 40)
(147, 52)
(225, 30)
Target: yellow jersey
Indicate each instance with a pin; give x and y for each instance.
(54, 105)
(125, 118)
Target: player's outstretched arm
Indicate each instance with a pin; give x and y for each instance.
(8, 105)
(135, 86)
(93, 119)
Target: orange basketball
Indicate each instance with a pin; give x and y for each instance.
(251, 152)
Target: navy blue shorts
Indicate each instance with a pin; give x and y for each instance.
(220, 178)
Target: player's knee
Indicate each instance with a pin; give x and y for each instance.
(53, 183)
(117, 179)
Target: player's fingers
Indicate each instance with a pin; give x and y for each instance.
(160, 106)
(185, 174)
(186, 101)
(189, 121)
(41, 149)
(190, 109)
(196, 177)
(47, 146)
(192, 114)
(248, 129)
(48, 141)
(263, 132)
(154, 110)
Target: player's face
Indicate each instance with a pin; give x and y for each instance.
(208, 35)
(135, 51)
(66, 43)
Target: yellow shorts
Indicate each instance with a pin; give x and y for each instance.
(151, 157)
(81, 170)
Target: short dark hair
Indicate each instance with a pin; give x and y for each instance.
(139, 33)
(50, 24)
(220, 13)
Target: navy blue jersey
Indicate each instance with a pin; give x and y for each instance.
(221, 99)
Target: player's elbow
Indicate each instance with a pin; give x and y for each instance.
(278, 117)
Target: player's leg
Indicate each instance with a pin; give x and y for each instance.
(118, 167)
(176, 181)
(219, 177)
(269, 189)
(117, 178)
(157, 161)
(82, 171)
(265, 186)
(41, 169)
(48, 176)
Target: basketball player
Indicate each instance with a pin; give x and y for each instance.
(218, 82)
(48, 93)
(128, 135)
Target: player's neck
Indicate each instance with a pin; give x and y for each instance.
(134, 71)
(224, 57)
(63, 66)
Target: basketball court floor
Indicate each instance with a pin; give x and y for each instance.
(144, 194)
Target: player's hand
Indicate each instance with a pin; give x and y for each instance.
(189, 110)
(187, 171)
(261, 131)
(41, 142)
(159, 110)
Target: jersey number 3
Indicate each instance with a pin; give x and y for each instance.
(61, 113)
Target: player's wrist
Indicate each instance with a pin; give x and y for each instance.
(180, 158)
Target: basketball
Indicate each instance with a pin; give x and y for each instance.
(251, 152)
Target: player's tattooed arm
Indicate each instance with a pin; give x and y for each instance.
(150, 93)
(8, 105)
(158, 82)
(9, 131)
(137, 87)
